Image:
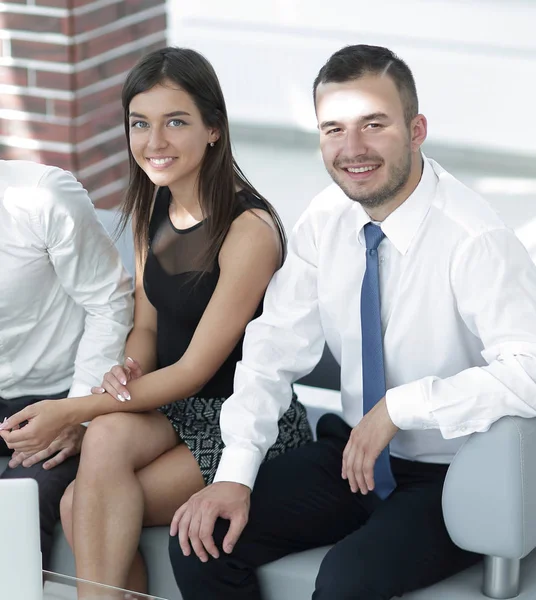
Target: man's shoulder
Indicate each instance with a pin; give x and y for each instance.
(331, 199)
(463, 207)
(40, 189)
(24, 172)
(327, 206)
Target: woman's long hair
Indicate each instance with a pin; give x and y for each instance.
(219, 175)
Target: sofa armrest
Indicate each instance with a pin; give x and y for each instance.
(489, 497)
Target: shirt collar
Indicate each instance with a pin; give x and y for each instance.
(402, 224)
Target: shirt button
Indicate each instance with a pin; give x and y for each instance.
(382, 260)
(463, 428)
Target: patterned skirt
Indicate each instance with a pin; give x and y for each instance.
(197, 422)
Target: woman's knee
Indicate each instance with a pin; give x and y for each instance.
(106, 442)
(66, 511)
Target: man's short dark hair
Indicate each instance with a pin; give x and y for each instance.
(354, 62)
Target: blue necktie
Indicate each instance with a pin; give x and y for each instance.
(372, 351)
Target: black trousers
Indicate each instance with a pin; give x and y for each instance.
(382, 548)
(52, 483)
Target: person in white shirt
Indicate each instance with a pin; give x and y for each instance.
(65, 311)
(450, 349)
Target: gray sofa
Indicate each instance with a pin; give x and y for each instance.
(489, 504)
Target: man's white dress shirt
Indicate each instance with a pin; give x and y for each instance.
(65, 299)
(458, 299)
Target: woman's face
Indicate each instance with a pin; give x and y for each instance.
(168, 138)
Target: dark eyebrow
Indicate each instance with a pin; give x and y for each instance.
(374, 116)
(177, 113)
(377, 116)
(325, 124)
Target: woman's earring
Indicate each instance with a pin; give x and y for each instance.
(212, 144)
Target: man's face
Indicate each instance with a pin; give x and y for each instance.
(365, 142)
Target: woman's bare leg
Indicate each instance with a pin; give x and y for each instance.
(167, 483)
(108, 504)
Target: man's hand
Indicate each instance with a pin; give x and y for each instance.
(115, 380)
(194, 521)
(45, 421)
(368, 438)
(68, 443)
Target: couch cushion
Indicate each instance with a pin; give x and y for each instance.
(292, 577)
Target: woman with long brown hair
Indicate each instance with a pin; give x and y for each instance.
(207, 244)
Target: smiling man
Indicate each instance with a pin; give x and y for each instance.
(428, 303)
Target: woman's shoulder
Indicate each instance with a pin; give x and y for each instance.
(253, 236)
(253, 227)
(247, 200)
(251, 212)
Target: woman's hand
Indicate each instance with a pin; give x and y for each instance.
(115, 380)
(44, 422)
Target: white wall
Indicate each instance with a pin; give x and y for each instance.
(474, 60)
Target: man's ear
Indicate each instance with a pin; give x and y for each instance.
(419, 131)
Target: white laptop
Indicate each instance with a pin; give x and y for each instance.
(20, 549)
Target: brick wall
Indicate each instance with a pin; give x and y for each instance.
(62, 65)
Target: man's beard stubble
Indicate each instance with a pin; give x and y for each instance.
(398, 177)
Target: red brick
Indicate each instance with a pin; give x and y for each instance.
(112, 40)
(13, 76)
(61, 108)
(40, 51)
(137, 5)
(103, 113)
(105, 70)
(107, 176)
(53, 3)
(56, 159)
(35, 23)
(101, 151)
(52, 132)
(134, 5)
(26, 103)
(110, 68)
(99, 123)
(9, 127)
(54, 81)
(102, 108)
(79, 3)
(110, 201)
(35, 130)
(64, 161)
(14, 153)
(110, 14)
(111, 95)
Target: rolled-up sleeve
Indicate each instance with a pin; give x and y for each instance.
(494, 284)
(282, 345)
(91, 272)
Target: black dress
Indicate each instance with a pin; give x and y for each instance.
(180, 293)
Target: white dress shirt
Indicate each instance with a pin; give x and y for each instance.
(65, 299)
(458, 304)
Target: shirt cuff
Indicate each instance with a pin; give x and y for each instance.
(239, 465)
(407, 406)
(79, 389)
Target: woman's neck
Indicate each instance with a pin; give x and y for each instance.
(185, 206)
